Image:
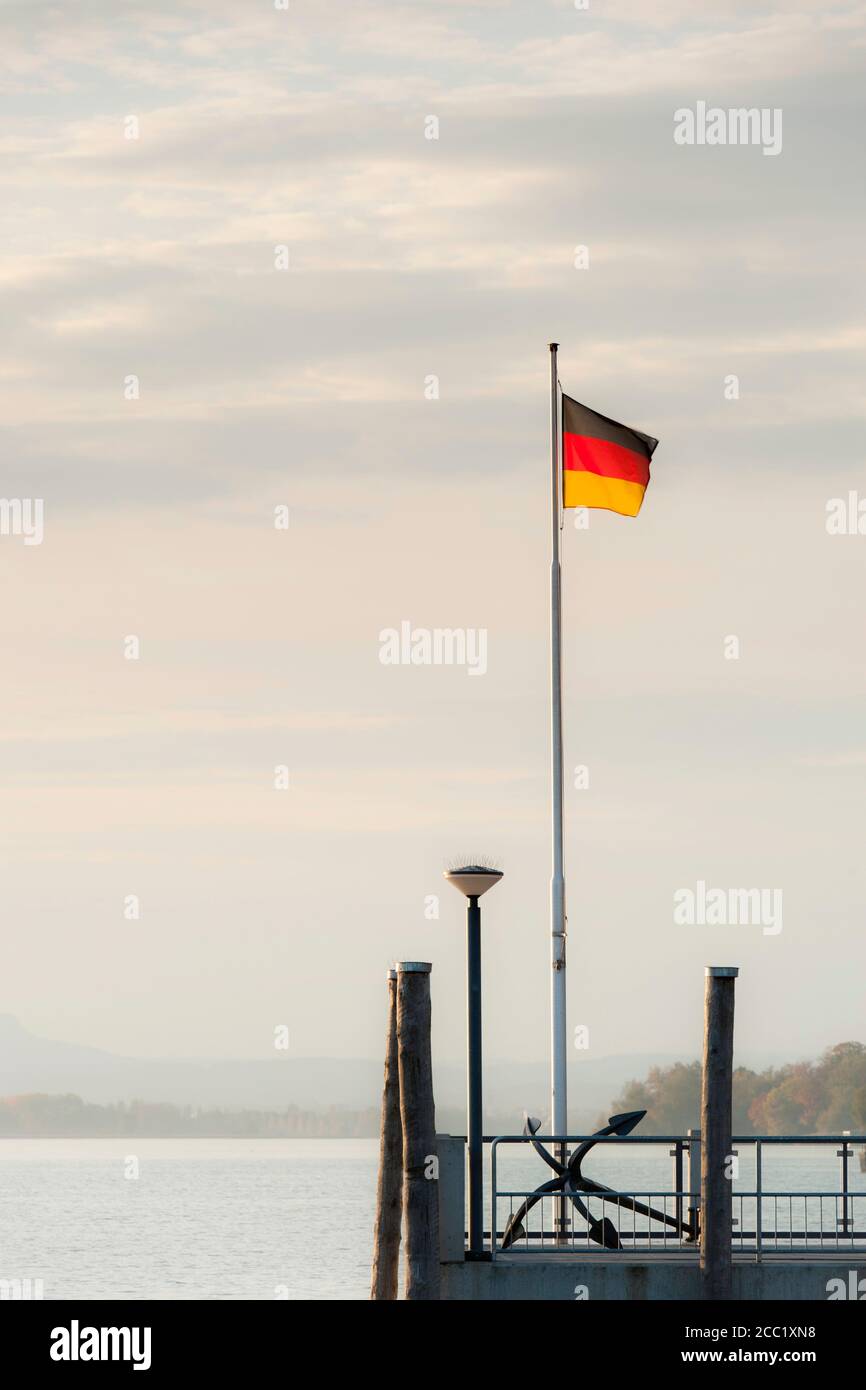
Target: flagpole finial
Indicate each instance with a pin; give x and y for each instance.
(553, 346)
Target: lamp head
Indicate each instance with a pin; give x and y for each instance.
(473, 880)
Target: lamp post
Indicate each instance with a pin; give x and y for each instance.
(473, 881)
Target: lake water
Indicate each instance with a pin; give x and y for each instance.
(264, 1219)
(206, 1218)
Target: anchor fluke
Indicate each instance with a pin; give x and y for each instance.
(605, 1233)
(626, 1122)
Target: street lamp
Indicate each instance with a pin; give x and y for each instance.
(473, 881)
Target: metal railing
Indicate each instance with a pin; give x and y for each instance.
(595, 1219)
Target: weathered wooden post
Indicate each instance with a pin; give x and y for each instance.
(389, 1194)
(716, 1140)
(420, 1163)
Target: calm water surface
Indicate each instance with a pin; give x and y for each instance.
(229, 1219)
(207, 1218)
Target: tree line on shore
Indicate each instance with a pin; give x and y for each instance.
(822, 1097)
(68, 1116)
(40, 1116)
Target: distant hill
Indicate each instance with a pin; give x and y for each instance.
(30, 1064)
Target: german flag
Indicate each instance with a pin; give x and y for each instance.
(603, 464)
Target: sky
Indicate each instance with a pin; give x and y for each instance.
(239, 275)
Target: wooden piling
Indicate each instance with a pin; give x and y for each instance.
(716, 1141)
(420, 1163)
(389, 1193)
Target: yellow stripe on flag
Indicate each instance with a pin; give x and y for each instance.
(581, 489)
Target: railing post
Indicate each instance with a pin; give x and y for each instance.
(716, 1139)
(694, 1183)
(677, 1156)
(844, 1154)
(759, 1182)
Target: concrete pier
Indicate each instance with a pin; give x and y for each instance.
(673, 1275)
(656, 1277)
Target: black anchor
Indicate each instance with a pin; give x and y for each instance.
(570, 1181)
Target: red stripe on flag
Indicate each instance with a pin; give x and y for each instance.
(584, 455)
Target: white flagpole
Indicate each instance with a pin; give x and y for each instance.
(558, 1030)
